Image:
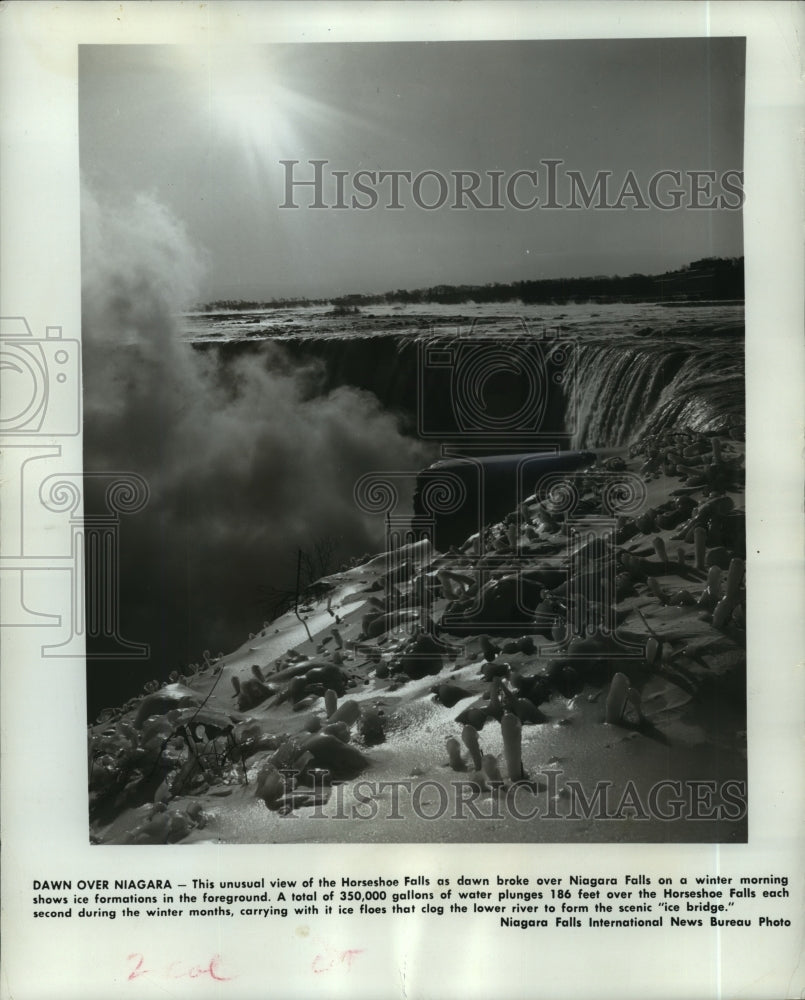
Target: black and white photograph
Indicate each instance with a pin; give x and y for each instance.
(401, 476)
(428, 361)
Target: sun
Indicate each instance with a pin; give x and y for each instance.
(249, 106)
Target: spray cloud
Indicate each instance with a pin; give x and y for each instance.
(245, 462)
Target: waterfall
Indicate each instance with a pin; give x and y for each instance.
(622, 391)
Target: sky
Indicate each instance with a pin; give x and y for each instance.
(181, 152)
(202, 132)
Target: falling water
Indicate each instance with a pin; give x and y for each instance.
(624, 391)
(639, 367)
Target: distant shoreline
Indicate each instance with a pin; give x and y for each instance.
(711, 279)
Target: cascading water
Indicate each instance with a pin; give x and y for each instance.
(622, 392)
(639, 367)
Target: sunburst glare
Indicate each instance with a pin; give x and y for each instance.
(254, 103)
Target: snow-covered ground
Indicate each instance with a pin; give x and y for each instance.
(403, 693)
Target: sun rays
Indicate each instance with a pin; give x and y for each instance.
(253, 103)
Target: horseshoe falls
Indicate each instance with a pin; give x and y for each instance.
(622, 392)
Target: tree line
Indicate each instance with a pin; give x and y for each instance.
(710, 278)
